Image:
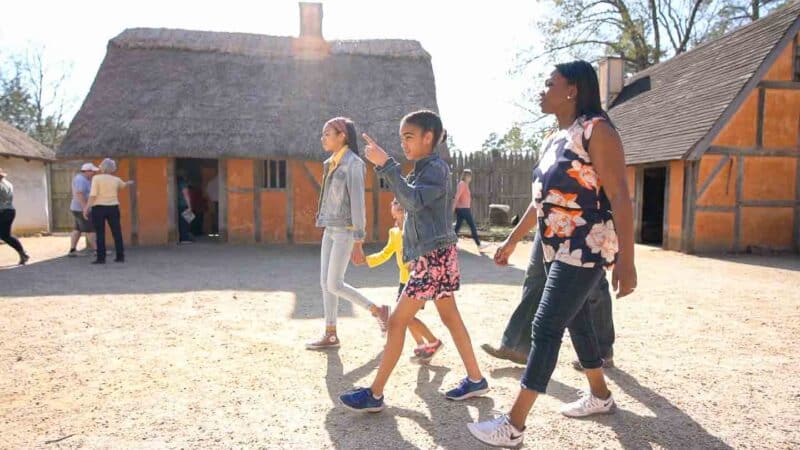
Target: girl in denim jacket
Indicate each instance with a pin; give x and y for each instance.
(342, 214)
(429, 242)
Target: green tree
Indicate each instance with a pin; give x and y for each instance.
(514, 140)
(492, 143)
(16, 107)
(32, 96)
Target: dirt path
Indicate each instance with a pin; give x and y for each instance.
(201, 347)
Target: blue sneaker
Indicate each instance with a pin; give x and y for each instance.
(361, 399)
(468, 389)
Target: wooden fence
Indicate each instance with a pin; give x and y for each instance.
(497, 178)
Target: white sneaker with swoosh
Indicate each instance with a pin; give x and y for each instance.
(588, 405)
(498, 432)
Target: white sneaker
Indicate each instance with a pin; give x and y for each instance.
(588, 405)
(497, 432)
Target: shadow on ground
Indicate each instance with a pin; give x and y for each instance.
(634, 431)
(214, 267)
(350, 429)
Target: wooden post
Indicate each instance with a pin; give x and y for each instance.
(760, 118)
(737, 221)
(223, 200)
(689, 205)
(797, 194)
(638, 205)
(48, 180)
(172, 199)
(665, 218)
(133, 194)
(258, 183)
(290, 201)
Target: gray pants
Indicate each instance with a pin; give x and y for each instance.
(518, 333)
(337, 246)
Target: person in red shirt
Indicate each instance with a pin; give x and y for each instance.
(462, 205)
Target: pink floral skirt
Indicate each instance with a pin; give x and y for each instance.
(435, 275)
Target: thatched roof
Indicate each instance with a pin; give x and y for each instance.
(200, 94)
(14, 142)
(666, 110)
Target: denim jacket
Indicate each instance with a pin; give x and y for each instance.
(426, 195)
(341, 200)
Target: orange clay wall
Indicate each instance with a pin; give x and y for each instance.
(674, 210)
(767, 177)
(151, 191)
(306, 177)
(274, 205)
(241, 210)
(152, 201)
(714, 230)
(306, 197)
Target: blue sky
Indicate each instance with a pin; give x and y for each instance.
(473, 44)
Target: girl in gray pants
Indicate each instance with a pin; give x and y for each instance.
(342, 214)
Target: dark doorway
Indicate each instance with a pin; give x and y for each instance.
(200, 178)
(655, 184)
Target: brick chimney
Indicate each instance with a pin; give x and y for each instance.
(311, 20)
(310, 44)
(611, 75)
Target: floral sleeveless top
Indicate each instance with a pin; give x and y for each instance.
(574, 213)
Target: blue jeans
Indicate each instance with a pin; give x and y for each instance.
(337, 246)
(518, 332)
(465, 215)
(564, 305)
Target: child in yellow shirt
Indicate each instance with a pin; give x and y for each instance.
(419, 331)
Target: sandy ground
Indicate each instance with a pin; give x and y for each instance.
(202, 347)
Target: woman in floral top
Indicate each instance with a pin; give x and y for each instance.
(582, 206)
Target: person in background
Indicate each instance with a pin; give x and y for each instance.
(427, 344)
(184, 204)
(212, 192)
(7, 215)
(81, 186)
(104, 206)
(462, 206)
(199, 208)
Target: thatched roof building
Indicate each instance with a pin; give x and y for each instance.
(669, 111)
(180, 93)
(15, 143)
(239, 117)
(26, 161)
(712, 140)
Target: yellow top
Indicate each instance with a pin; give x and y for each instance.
(337, 157)
(394, 245)
(105, 188)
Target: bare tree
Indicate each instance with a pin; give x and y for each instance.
(633, 29)
(641, 32)
(37, 88)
